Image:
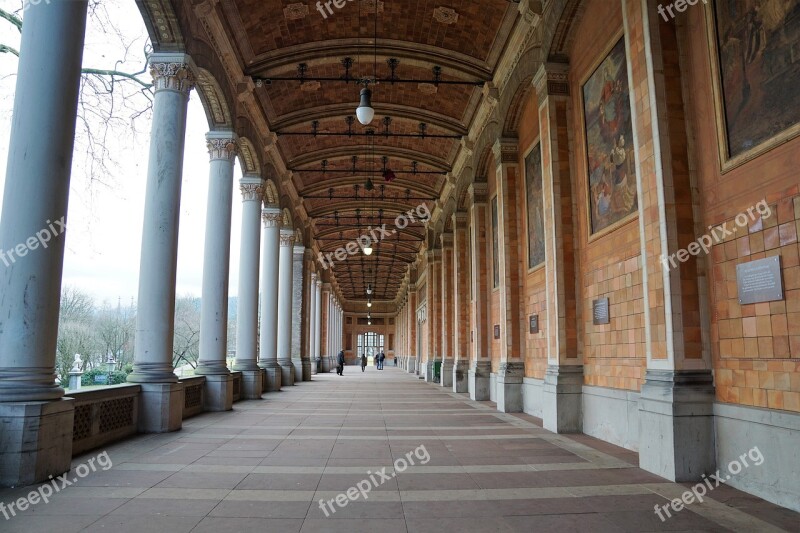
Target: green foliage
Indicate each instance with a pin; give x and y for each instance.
(90, 377)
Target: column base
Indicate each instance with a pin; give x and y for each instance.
(273, 383)
(160, 407)
(460, 376)
(264, 381)
(677, 424)
(36, 441)
(307, 366)
(479, 381)
(427, 371)
(562, 410)
(252, 384)
(509, 387)
(446, 379)
(411, 364)
(298, 370)
(315, 366)
(325, 364)
(218, 393)
(287, 372)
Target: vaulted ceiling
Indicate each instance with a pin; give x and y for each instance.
(428, 62)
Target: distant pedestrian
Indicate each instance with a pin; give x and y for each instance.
(381, 358)
(363, 362)
(340, 363)
(395, 360)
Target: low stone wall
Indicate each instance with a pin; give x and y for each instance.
(193, 391)
(103, 416)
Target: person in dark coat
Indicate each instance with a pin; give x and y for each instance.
(363, 362)
(340, 363)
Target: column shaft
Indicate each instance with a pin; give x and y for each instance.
(270, 250)
(252, 189)
(285, 318)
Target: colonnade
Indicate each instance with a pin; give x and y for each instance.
(36, 418)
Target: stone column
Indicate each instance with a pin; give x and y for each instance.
(298, 315)
(318, 328)
(216, 272)
(161, 401)
(563, 382)
(312, 322)
(252, 189)
(325, 321)
(36, 434)
(447, 322)
(433, 281)
(512, 366)
(411, 364)
(480, 363)
(676, 405)
(270, 250)
(285, 298)
(461, 280)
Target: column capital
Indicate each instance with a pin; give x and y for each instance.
(459, 220)
(552, 79)
(506, 151)
(222, 145)
(319, 284)
(313, 278)
(252, 188)
(478, 193)
(172, 72)
(287, 238)
(447, 240)
(271, 217)
(298, 249)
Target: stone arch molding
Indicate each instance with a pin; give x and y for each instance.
(248, 157)
(217, 111)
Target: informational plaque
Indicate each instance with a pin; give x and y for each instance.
(600, 312)
(497, 331)
(534, 324)
(760, 281)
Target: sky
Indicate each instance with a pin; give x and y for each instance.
(104, 220)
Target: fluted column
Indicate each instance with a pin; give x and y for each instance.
(252, 189)
(216, 271)
(298, 254)
(268, 339)
(285, 318)
(318, 327)
(37, 437)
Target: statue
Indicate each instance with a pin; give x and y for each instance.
(77, 366)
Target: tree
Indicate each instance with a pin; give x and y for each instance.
(116, 327)
(186, 345)
(76, 334)
(112, 98)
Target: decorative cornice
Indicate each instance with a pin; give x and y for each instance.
(172, 77)
(552, 79)
(459, 220)
(506, 151)
(446, 239)
(479, 193)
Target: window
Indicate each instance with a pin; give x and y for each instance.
(369, 343)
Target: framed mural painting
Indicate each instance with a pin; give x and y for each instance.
(534, 193)
(608, 129)
(755, 63)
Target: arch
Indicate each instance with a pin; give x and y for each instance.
(287, 222)
(270, 193)
(248, 157)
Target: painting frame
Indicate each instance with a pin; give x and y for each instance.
(612, 43)
(495, 221)
(727, 161)
(535, 145)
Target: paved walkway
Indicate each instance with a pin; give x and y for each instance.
(265, 466)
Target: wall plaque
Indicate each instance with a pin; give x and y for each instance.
(534, 323)
(760, 281)
(497, 331)
(600, 312)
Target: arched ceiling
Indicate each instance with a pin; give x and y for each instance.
(444, 53)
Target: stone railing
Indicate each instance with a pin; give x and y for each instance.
(104, 415)
(193, 392)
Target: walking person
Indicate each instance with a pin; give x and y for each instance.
(340, 363)
(363, 362)
(381, 358)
